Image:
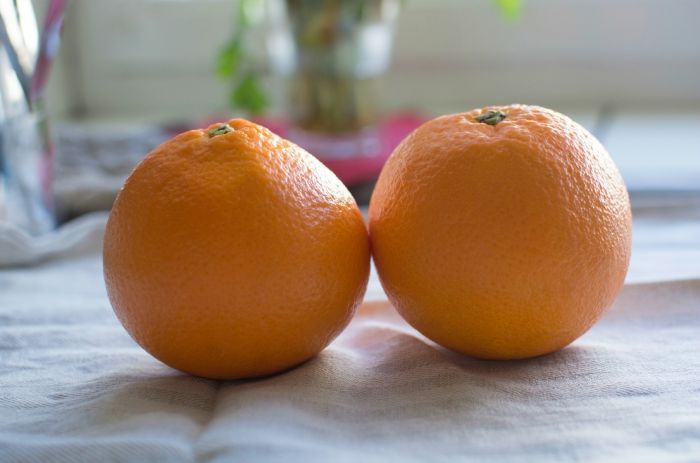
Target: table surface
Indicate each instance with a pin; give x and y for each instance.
(75, 387)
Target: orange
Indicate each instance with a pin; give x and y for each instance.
(501, 233)
(231, 253)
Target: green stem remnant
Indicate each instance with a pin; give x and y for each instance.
(491, 117)
(220, 130)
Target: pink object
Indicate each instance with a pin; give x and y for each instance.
(48, 49)
(354, 170)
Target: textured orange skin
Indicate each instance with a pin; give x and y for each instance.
(505, 241)
(234, 256)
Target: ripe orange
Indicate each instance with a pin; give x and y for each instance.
(501, 233)
(231, 252)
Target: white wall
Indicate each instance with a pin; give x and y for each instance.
(154, 58)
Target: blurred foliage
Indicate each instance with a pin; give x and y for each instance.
(236, 65)
(510, 9)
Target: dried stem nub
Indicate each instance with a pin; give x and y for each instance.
(220, 130)
(491, 117)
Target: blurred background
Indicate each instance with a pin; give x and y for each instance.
(348, 79)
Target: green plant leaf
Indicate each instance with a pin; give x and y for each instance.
(229, 57)
(243, 16)
(510, 9)
(249, 94)
(235, 64)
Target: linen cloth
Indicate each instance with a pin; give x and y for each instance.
(75, 388)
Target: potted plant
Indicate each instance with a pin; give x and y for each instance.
(333, 54)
